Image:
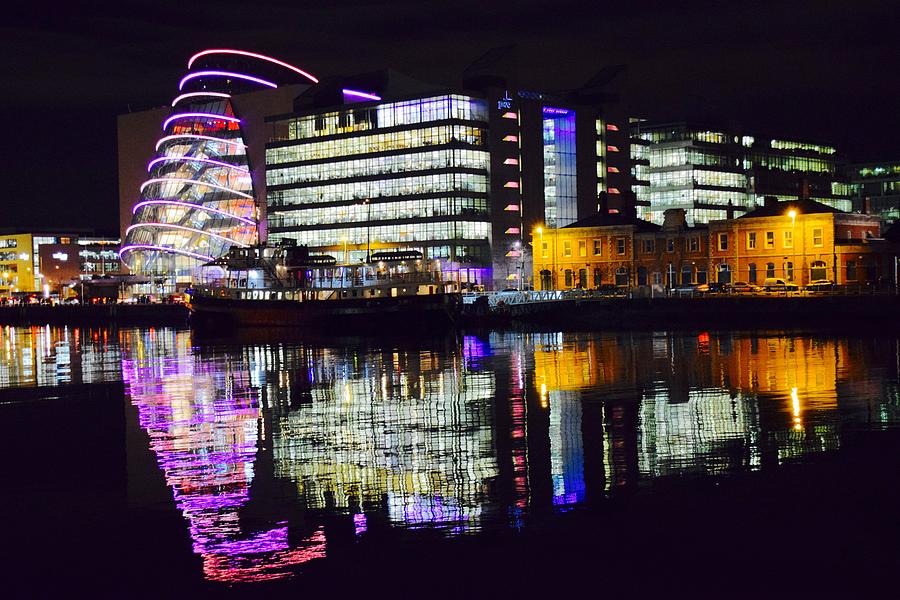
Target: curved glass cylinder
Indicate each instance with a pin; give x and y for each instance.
(198, 200)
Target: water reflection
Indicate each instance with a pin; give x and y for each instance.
(276, 451)
(49, 356)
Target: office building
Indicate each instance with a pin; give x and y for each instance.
(45, 261)
(716, 173)
(875, 189)
(382, 162)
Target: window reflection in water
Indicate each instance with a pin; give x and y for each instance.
(263, 444)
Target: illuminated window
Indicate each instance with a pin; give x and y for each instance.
(567, 249)
(789, 271)
(788, 239)
(751, 240)
(582, 248)
(511, 138)
(545, 252)
(511, 161)
(612, 169)
(512, 207)
(620, 245)
(817, 237)
(611, 127)
(512, 230)
(612, 148)
(511, 184)
(817, 270)
(510, 115)
(723, 241)
(770, 239)
(598, 248)
(613, 190)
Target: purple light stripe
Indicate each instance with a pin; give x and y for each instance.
(194, 115)
(196, 159)
(195, 94)
(196, 74)
(183, 228)
(252, 55)
(359, 94)
(133, 247)
(193, 182)
(198, 137)
(193, 206)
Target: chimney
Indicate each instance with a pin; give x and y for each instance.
(674, 219)
(603, 203)
(804, 189)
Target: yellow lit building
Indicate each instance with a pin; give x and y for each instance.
(17, 264)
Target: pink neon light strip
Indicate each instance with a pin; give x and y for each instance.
(193, 182)
(252, 55)
(198, 137)
(132, 247)
(358, 94)
(198, 115)
(188, 205)
(183, 228)
(218, 163)
(198, 94)
(196, 74)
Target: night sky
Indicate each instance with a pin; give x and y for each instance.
(825, 71)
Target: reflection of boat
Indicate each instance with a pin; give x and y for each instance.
(287, 286)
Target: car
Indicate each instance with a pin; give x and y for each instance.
(713, 287)
(777, 284)
(685, 289)
(820, 285)
(742, 287)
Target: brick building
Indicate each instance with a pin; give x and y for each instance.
(800, 241)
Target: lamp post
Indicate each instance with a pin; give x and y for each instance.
(540, 231)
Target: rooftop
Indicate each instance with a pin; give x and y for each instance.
(614, 219)
(778, 209)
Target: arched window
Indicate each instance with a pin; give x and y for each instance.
(751, 277)
(598, 277)
(817, 270)
(770, 269)
(582, 278)
(687, 275)
(670, 275)
(642, 275)
(724, 273)
(568, 278)
(621, 277)
(789, 271)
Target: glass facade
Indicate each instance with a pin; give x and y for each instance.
(560, 197)
(199, 198)
(410, 174)
(717, 175)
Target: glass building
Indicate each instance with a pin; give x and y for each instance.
(371, 176)
(875, 188)
(716, 174)
(199, 198)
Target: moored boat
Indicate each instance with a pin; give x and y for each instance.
(289, 287)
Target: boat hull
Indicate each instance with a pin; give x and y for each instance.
(429, 311)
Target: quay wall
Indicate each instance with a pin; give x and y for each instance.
(95, 314)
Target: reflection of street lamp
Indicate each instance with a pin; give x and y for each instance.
(793, 215)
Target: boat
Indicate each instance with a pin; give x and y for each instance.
(286, 285)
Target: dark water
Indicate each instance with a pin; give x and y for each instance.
(261, 460)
